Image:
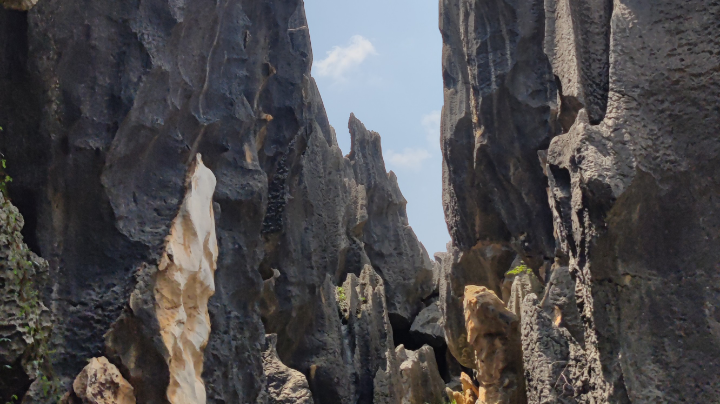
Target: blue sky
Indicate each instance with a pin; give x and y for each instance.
(381, 59)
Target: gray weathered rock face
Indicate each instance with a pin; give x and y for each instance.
(104, 111)
(284, 385)
(427, 326)
(421, 381)
(611, 106)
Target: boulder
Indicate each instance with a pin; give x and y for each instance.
(100, 382)
(421, 380)
(494, 334)
(427, 328)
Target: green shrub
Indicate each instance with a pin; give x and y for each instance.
(522, 268)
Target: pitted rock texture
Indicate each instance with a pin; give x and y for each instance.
(284, 385)
(100, 382)
(104, 110)
(484, 264)
(494, 334)
(611, 93)
(25, 321)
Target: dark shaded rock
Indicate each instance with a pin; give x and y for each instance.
(390, 243)
(577, 42)
(284, 385)
(499, 94)
(631, 176)
(427, 328)
(340, 215)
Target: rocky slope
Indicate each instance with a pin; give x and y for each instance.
(178, 172)
(582, 136)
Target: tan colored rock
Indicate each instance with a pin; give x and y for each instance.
(20, 5)
(493, 332)
(185, 282)
(469, 392)
(100, 382)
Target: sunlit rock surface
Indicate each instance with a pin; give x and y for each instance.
(184, 283)
(100, 382)
(494, 334)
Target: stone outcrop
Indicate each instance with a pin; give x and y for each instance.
(25, 321)
(100, 382)
(482, 265)
(184, 283)
(427, 326)
(579, 137)
(469, 391)
(523, 284)
(419, 375)
(161, 337)
(493, 332)
(582, 113)
(104, 110)
(374, 358)
(284, 385)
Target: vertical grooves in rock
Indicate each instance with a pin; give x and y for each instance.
(184, 284)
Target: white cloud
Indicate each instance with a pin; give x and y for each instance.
(431, 123)
(409, 158)
(342, 59)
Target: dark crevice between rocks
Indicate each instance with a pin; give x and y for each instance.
(447, 365)
(13, 381)
(604, 86)
(561, 182)
(569, 108)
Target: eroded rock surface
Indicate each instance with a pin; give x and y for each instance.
(427, 326)
(25, 321)
(420, 378)
(184, 283)
(493, 332)
(284, 385)
(100, 382)
(601, 97)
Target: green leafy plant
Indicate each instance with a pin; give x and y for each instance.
(341, 294)
(21, 271)
(522, 268)
(5, 179)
